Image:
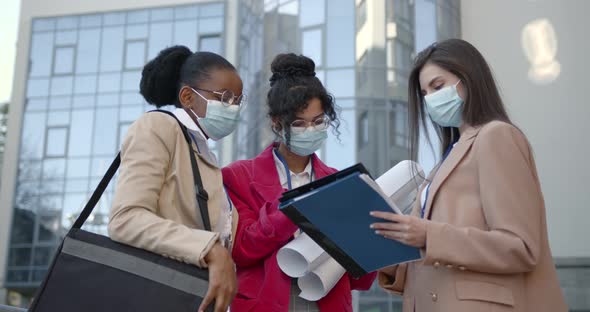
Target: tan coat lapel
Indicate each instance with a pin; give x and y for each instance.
(449, 164)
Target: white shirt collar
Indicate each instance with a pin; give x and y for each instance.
(188, 122)
(297, 179)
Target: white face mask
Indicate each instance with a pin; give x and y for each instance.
(445, 106)
(307, 142)
(221, 119)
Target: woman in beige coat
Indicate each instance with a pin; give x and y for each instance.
(480, 219)
(155, 205)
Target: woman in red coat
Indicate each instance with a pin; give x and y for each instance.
(301, 111)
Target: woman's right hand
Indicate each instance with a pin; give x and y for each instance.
(222, 279)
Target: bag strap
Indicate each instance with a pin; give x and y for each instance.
(202, 195)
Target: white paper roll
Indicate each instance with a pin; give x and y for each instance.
(317, 284)
(300, 256)
(401, 184)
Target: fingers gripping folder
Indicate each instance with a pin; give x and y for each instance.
(334, 213)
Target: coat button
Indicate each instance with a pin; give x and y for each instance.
(462, 268)
(449, 266)
(436, 265)
(434, 297)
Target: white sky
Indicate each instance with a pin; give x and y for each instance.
(9, 13)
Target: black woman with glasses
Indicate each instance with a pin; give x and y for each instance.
(301, 112)
(155, 203)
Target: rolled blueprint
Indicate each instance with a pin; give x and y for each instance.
(300, 256)
(401, 184)
(318, 283)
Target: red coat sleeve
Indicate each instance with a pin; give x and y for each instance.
(262, 229)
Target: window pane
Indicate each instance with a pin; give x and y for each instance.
(90, 20)
(111, 99)
(41, 54)
(88, 49)
(312, 12)
(76, 185)
(135, 54)
(81, 133)
(160, 37)
(36, 104)
(41, 24)
(340, 42)
(33, 138)
(19, 257)
(137, 31)
(49, 226)
(26, 199)
(164, 14)
(343, 154)
(42, 256)
(60, 102)
(312, 45)
(291, 8)
(186, 12)
(18, 275)
(56, 142)
(131, 81)
(211, 25)
(85, 84)
(135, 17)
(111, 56)
(211, 10)
(51, 203)
(82, 101)
(78, 168)
(54, 168)
(341, 82)
(114, 18)
(211, 44)
(67, 22)
(66, 37)
(58, 118)
(64, 60)
(38, 87)
(109, 82)
(100, 166)
(62, 85)
(131, 98)
(185, 33)
(73, 204)
(105, 132)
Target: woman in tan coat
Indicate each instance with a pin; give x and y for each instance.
(480, 219)
(155, 205)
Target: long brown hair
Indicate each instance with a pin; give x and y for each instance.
(482, 103)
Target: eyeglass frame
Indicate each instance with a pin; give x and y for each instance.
(240, 98)
(308, 124)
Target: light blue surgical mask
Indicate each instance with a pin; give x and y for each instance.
(305, 143)
(221, 119)
(445, 106)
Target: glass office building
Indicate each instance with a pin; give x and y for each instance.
(82, 94)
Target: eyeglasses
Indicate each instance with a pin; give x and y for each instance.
(227, 97)
(320, 123)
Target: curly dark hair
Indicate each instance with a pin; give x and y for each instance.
(292, 85)
(174, 67)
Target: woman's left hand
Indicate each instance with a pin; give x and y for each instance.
(408, 230)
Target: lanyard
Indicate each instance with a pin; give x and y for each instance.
(288, 172)
(445, 155)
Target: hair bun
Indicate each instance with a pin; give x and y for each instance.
(291, 65)
(160, 77)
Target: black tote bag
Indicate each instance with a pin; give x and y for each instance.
(92, 273)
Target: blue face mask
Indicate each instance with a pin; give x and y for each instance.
(220, 120)
(307, 142)
(445, 106)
